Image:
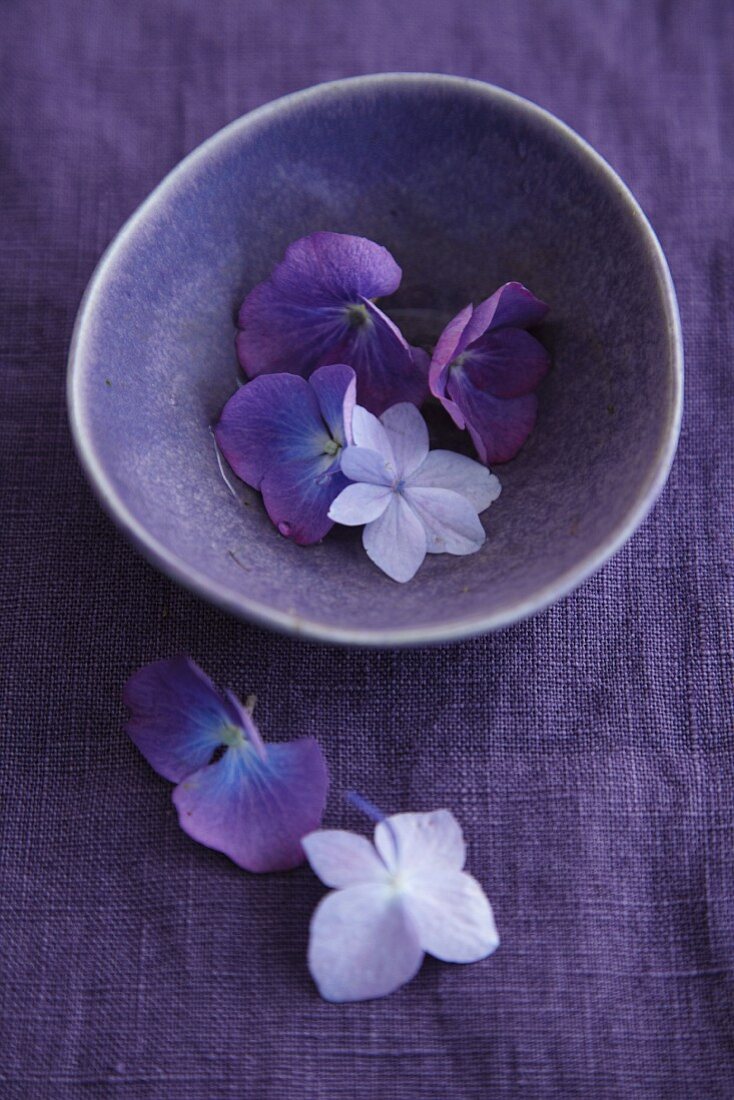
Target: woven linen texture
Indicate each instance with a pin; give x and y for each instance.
(588, 752)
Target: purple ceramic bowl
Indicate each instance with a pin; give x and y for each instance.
(469, 187)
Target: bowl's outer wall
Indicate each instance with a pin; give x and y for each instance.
(468, 187)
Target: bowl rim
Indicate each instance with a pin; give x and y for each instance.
(243, 606)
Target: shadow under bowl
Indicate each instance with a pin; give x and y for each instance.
(469, 187)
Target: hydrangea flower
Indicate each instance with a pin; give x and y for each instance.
(257, 801)
(284, 436)
(413, 502)
(317, 308)
(393, 902)
(485, 368)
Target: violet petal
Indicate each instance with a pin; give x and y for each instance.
(256, 811)
(506, 363)
(387, 370)
(362, 944)
(335, 387)
(447, 345)
(290, 321)
(178, 717)
(331, 266)
(483, 353)
(498, 426)
(439, 370)
(281, 434)
(271, 420)
(298, 495)
(511, 305)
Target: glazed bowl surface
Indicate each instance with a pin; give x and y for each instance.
(468, 186)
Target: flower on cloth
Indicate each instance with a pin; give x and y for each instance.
(485, 368)
(284, 436)
(316, 307)
(392, 902)
(412, 501)
(257, 801)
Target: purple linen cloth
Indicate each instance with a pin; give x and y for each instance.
(589, 753)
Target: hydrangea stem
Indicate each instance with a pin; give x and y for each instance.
(248, 724)
(374, 813)
(368, 808)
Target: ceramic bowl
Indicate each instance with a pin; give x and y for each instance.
(469, 187)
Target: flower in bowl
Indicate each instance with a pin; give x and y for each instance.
(385, 157)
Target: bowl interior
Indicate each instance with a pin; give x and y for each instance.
(468, 187)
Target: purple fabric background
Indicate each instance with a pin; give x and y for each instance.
(589, 753)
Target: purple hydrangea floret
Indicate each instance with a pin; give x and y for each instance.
(485, 369)
(284, 436)
(257, 800)
(317, 307)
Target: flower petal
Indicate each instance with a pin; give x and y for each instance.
(177, 716)
(396, 542)
(360, 503)
(450, 520)
(506, 363)
(269, 421)
(445, 351)
(293, 318)
(362, 944)
(335, 387)
(329, 266)
(425, 842)
(362, 464)
(451, 915)
(519, 365)
(298, 496)
(387, 370)
(512, 304)
(447, 346)
(498, 426)
(256, 811)
(449, 470)
(369, 432)
(408, 434)
(342, 859)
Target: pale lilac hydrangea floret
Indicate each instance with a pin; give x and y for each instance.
(284, 436)
(317, 308)
(392, 902)
(412, 502)
(258, 800)
(485, 369)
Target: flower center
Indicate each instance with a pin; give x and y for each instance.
(232, 736)
(357, 315)
(331, 447)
